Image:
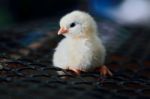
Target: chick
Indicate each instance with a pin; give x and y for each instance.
(81, 49)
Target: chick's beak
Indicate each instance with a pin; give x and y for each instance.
(62, 30)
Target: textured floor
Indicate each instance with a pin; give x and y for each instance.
(27, 71)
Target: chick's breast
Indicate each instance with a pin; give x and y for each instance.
(81, 54)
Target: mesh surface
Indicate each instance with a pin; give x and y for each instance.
(27, 71)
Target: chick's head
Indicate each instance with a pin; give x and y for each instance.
(77, 24)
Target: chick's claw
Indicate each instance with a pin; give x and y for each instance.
(104, 71)
(76, 71)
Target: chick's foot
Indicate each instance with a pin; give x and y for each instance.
(104, 71)
(76, 71)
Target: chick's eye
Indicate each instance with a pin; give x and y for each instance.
(72, 25)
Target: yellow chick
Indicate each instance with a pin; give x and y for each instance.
(81, 49)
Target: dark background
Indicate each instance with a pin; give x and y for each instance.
(12, 11)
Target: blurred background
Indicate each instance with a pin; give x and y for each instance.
(126, 12)
(33, 22)
(17, 11)
(30, 23)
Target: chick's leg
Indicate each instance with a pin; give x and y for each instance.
(104, 71)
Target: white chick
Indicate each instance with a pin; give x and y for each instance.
(81, 49)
